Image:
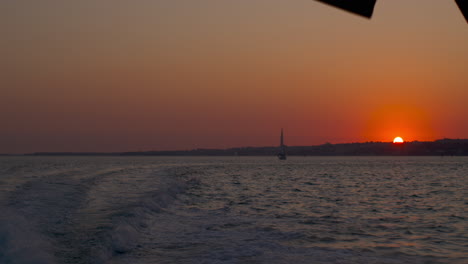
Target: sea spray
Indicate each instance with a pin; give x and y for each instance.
(20, 243)
(132, 220)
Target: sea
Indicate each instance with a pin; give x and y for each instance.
(139, 210)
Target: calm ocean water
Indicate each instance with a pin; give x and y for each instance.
(233, 210)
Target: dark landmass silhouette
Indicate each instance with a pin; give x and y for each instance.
(442, 147)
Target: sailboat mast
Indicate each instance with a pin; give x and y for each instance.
(281, 139)
(282, 150)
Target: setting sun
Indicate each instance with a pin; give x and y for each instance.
(398, 140)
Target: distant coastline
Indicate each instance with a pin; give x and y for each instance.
(442, 147)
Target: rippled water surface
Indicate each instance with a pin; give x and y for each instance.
(233, 210)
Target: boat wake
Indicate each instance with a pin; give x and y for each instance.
(84, 216)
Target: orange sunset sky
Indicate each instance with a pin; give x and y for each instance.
(118, 75)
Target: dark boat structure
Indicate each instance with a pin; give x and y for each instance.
(366, 7)
(282, 151)
(360, 7)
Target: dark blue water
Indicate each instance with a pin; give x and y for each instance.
(233, 210)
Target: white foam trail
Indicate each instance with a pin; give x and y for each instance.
(20, 243)
(131, 221)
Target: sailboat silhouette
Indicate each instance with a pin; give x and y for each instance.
(282, 152)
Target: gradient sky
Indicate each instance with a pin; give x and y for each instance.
(119, 75)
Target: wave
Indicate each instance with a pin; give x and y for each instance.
(130, 222)
(21, 243)
(51, 218)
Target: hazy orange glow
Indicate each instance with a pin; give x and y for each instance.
(390, 119)
(114, 75)
(398, 140)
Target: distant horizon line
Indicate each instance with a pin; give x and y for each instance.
(58, 153)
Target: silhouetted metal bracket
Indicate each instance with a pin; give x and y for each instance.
(361, 7)
(366, 7)
(463, 5)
